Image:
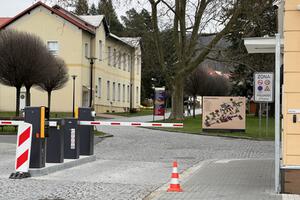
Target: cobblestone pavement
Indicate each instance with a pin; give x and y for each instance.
(129, 165)
(229, 180)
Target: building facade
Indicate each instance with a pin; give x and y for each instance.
(116, 75)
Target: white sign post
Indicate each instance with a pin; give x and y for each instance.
(264, 93)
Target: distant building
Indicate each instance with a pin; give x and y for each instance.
(117, 69)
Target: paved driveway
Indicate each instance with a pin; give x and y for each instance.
(129, 166)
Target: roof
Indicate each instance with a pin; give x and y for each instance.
(54, 10)
(113, 36)
(86, 23)
(94, 20)
(132, 41)
(4, 20)
(261, 44)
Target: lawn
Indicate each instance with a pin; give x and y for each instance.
(194, 126)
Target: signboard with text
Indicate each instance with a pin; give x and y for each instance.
(159, 101)
(263, 87)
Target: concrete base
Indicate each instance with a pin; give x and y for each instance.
(54, 167)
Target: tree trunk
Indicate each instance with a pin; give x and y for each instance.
(49, 101)
(194, 106)
(28, 99)
(177, 99)
(18, 92)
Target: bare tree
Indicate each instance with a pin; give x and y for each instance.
(36, 62)
(24, 60)
(186, 32)
(56, 79)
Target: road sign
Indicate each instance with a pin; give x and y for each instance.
(263, 87)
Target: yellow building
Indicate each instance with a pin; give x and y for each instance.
(289, 140)
(116, 75)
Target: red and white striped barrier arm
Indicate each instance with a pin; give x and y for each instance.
(136, 124)
(10, 123)
(23, 147)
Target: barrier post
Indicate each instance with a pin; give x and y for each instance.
(23, 149)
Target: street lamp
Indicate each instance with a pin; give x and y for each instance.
(92, 61)
(153, 80)
(74, 77)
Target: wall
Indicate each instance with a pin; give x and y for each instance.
(50, 27)
(291, 96)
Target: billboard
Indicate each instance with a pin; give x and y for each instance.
(224, 113)
(159, 101)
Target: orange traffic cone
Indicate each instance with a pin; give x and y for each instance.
(174, 184)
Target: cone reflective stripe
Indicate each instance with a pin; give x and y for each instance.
(23, 147)
(141, 124)
(174, 184)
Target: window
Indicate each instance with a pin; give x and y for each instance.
(119, 59)
(123, 92)
(99, 88)
(86, 50)
(108, 90)
(137, 94)
(129, 62)
(115, 57)
(119, 92)
(100, 50)
(53, 47)
(109, 55)
(114, 91)
(128, 93)
(124, 62)
(138, 62)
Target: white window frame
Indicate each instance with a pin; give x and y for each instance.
(124, 61)
(138, 65)
(99, 89)
(115, 57)
(119, 59)
(129, 62)
(128, 93)
(114, 91)
(108, 90)
(53, 51)
(109, 55)
(137, 94)
(119, 92)
(100, 49)
(123, 92)
(86, 50)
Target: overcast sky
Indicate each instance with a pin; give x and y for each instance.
(10, 8)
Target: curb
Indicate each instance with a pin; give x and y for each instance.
(54, 167)
(213, 134)
(184, 177)
(107, 135)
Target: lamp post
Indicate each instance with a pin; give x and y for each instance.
(92, 61)
(74, 77)
(153, 80)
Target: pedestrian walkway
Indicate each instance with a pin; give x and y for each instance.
(229, 180)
